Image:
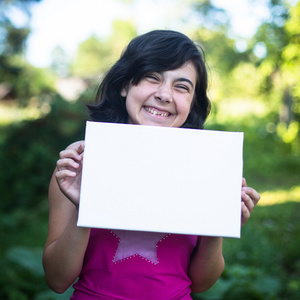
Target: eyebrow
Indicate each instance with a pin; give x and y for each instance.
(186, 80)
(182, 79)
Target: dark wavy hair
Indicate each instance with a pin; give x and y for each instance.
(155, 51)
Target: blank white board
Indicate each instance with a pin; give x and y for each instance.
(160, 179)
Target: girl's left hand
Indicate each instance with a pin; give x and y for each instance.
(250, 197)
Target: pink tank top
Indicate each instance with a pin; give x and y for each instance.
(135, 265)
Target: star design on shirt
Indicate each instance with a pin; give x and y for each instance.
(139, 243)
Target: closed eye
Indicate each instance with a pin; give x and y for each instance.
(183, 87)
(152, 77)
(185, 84)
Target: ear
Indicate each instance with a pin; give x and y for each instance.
(124, 92)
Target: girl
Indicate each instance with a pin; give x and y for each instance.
(159, 80)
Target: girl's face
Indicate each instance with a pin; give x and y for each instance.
(162, 99)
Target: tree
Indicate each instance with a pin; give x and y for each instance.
(95, 55)
(291, 58)
(12, 38)
(24, 80)
(280, 67)
(60, 62)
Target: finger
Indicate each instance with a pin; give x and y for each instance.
(245, 214)
(65, 173)
(67, 163)
(70, 153)
(244, 183)
(80, 148)
(252, 193)
(248, 202)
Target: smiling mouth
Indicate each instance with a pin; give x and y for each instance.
(154, 111)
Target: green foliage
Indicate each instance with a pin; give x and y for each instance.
(92, 53)
(22, 275)
(291, 57)
(60, 62)
(28, 153)
(94, 56)
(23, 80)
(213, 17)
(265, 262)
(12, 38)
(32, 82)
(245, 83)
(280, 66)
(269, 163)
(30, 149)
(240, 282)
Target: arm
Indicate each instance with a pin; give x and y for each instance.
(66, 243)
(207, 264)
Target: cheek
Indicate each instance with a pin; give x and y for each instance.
(129, 106)
(185, 108)
(133, 100)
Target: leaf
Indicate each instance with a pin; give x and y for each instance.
(30, 259)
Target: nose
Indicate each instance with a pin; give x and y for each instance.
(164, 94)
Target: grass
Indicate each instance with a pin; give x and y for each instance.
(279, 196)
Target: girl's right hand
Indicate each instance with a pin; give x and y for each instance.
(69, 170)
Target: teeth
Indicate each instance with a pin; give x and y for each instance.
(155, 112)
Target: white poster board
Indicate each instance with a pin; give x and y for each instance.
(162, 179)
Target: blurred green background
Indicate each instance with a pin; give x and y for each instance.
(254, 87)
